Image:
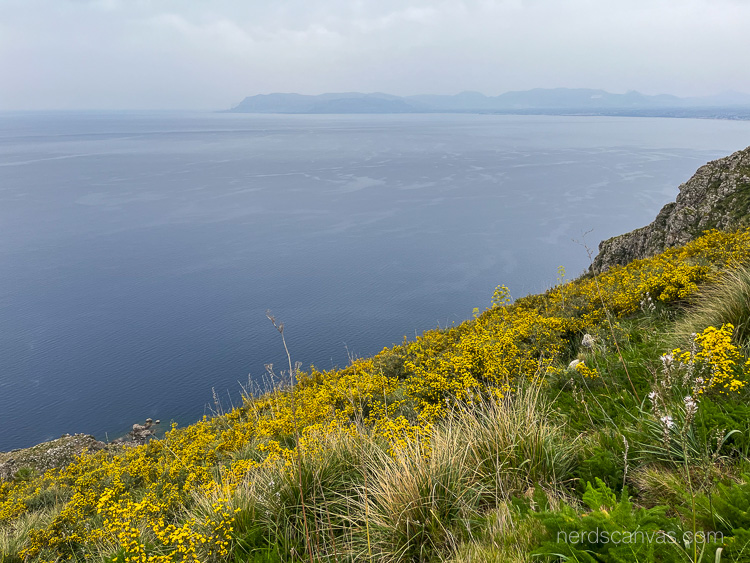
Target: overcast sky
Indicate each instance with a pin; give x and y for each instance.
(209, 54)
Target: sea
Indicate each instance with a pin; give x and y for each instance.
(140, 252)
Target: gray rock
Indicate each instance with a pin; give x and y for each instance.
(47, 455)
(59, 453)
(716, 197)
(140, 434)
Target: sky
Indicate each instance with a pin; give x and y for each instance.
(210, 54)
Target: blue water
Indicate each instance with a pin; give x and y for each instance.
(139, 252)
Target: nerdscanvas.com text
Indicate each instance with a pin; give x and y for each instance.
(598, 536)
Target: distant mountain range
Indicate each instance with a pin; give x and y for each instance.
(579, 101)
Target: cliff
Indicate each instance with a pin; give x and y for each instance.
(716, 197)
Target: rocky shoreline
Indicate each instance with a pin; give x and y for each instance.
(56, 454)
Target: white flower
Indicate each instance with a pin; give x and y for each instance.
(588, 341)
(667, 421)
(667, 361)
(691, 405)
(653, 395)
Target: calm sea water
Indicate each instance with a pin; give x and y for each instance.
(139, 252)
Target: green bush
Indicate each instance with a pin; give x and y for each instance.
(612, 531)
(727, 508)
(605, 465)
(737, 548)
(726, 415)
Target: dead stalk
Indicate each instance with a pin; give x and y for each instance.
(292, 371)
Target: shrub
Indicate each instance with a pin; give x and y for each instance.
(612, 531)
(728, 508)
(603, 457)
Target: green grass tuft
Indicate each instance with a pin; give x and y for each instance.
(727, 301)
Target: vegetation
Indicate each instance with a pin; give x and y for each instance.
(604, 420)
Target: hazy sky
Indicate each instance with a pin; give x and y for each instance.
(141, 54)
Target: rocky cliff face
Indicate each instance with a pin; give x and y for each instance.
(716, 197)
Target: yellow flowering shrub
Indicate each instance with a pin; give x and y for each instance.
(586, 371)
(400, 433)
(673, 275)
(714, 363)
(488, 354)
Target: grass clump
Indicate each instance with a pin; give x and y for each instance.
(15, 537)
(725, 302)
(516, 443)
(420, 504)
(505, 535)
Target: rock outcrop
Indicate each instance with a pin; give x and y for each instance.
(47, 455)
(59, 453)
(716, 197)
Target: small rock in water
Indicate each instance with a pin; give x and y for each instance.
(140, 434)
